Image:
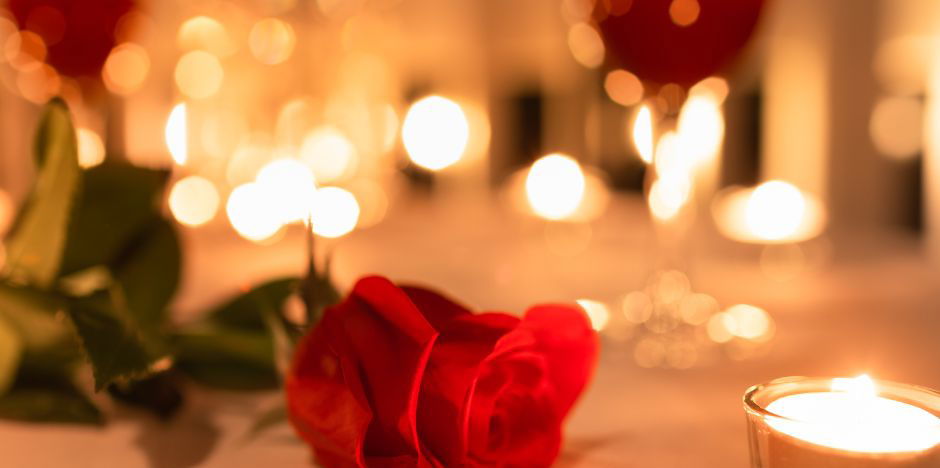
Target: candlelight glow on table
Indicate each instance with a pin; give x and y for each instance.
(842, 422)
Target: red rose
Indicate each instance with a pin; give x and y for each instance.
(402, 377)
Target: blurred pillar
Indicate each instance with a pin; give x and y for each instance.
(796, 95)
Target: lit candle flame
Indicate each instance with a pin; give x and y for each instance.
(176, 135)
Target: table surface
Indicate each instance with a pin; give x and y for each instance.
(871, 306)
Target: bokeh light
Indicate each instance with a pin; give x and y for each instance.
(194, 201)
(251, 212)
(199, 74)
(684, 12)
(47, 21)
(329, 154)
(271, 41)
(897, 126)
(90, 148)
(696, 308)
(176, 134)
(555, 186)
(373, 201)
(38, 84)
(778, 214)
(623, 87)
(205, 33)
(126, 68)
(643, 134)
(291, 185)
(435, 132)
(596, 311)
(334, 211)
(775, 210)
(749, 322)
(701, 128)
(667, 197)
(24, 50)
(637, 307)
(586, 45)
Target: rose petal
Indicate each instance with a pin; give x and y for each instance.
(563, 334)
(451, 374)
(392, 342)
(325, 400)
(437, 309)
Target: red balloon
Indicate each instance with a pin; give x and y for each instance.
(676, 41)
(78, 34)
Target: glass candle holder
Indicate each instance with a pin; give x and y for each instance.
(801, 422)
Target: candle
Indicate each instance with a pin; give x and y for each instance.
(843, 423)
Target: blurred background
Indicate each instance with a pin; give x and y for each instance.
(718, 211)
(505, 146)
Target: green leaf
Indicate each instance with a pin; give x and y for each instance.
(227, 358)
(150, 273)
(49, 405)
(117, 348)
(11, 350)
(35, 248)
(32, 314)
(119, 203)
(246, 312)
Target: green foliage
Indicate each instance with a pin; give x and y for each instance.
(118, 205)
(91, 271)
(117, 347)
(234, 346)
(49, 405)
(34, 250)
(11, 350)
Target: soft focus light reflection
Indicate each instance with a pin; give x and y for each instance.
(586, 45)
(199, 74)
(555, 186)
(643, 134)
(596, 311)
(684, 12)
(90, 148)
(435, 132)
(251, 211)
(24, 50)
(334, 211)
(126, 68)
(205, 33)
(623, 87)
(38, 84)
(773, 212)
(271, 41)
(290, 184)
(701, 128)
(329, 154)
(750, 322)
(176, 134)
(194, 201)
(667, 196)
